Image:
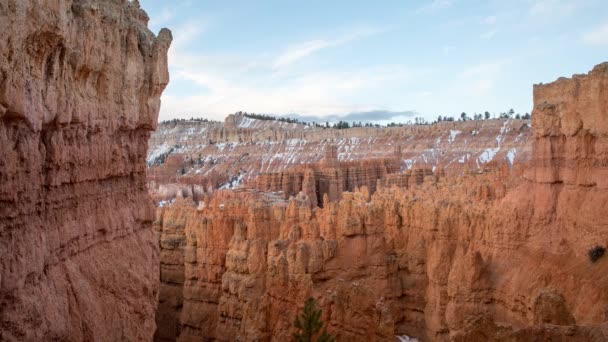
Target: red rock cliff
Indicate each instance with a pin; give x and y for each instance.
(477, 257)
(80, 86)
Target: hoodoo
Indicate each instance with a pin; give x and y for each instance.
(80, 86)
(491, 255)
(478, 229)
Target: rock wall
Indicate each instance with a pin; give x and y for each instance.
(327, 179)
(473, 257)
(182, 154)
(80, 86)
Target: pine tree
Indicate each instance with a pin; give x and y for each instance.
(309, 324)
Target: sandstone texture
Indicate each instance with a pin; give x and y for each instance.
(192, 158)
(490, 254)
(80, 86)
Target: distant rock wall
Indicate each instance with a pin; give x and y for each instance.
(80, 86)
(327, 179)
(472, 257)
(183, 154)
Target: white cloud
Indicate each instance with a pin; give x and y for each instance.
(489, 20)
(483, 69)
(165, 15)
(480, 79)
(489, 34)
(298, 51)
(598, 36)
(434, 6)
(318, 93)
(216, 85)
(552, 8)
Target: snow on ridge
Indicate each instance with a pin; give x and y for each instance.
(464, 158)
(234, 183)
(511, 155)
(488, 154)
(408, 163)
(453, 135)
(246, 122)
(156, 153)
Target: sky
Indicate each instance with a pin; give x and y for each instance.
(372, 60)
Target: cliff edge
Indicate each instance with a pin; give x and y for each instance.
(80, 86)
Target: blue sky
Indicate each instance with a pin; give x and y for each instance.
(328, 58)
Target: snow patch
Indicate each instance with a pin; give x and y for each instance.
(409, 163)
(453, 135)
(163, 149)
(487, 155)
(511, 155)
(233, 183)
(246, 122)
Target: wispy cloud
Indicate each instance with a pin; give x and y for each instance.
(486, 68)
(165, 15)
(323, 92)
(489, 34)
(299, 51)
(479, 79)
(434, 6)
(489, 20)
(597, 36)
(552, 8)
(365, 116)
(216, 85)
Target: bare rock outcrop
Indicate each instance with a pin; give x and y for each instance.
(238, 153)
(80, 86)
(466, 257)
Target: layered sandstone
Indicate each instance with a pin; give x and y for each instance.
(237, 152)
(80, 86)
(489, 256)
(328, 179)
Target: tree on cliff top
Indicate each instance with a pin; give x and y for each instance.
(309, 324)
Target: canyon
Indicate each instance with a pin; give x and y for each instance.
(80, 87)
(192, 158)
(424, 237)
(477, 230)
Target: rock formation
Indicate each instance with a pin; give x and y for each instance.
(238, 152)
(490, 256)
(327, 179)
(80, 86)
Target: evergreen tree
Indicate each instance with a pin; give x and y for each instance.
(309, 324)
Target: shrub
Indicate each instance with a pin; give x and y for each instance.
(309, 324)
(596, 253)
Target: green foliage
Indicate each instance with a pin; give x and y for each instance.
(309, 325)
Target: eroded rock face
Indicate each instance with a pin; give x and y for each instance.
(192, 158)
(80, 86)
(472, 257)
